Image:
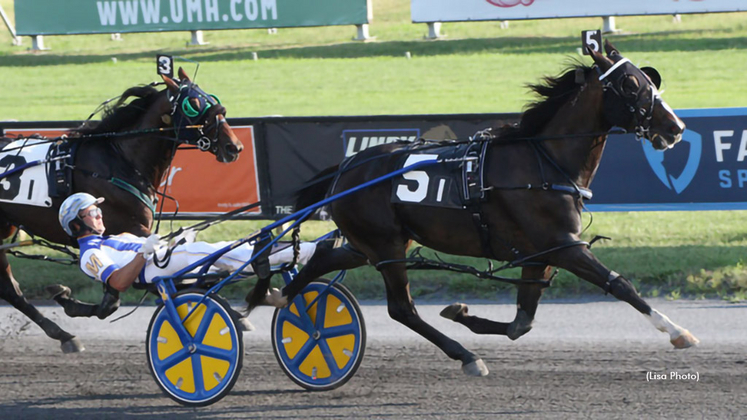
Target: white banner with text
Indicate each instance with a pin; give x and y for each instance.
(467, 10)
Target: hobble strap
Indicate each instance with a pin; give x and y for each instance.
(296, 244)
(261, 264)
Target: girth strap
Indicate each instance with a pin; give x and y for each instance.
(483, 231)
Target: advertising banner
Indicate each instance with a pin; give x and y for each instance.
(202, 185)
(196, 180)
(56, 17)
(707, 170)
(466, 10)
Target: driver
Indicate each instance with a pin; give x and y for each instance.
(119, 261)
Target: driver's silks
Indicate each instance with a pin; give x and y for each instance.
(261, 264)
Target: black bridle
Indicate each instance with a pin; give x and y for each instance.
(190, 124)
(622, 105)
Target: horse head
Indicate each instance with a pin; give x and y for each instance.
(200, 119)
(632, 100)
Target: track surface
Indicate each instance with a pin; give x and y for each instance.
(582, 360)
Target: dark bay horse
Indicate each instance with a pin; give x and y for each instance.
(132, 145)
(534, 176)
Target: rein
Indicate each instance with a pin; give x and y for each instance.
(14, 243)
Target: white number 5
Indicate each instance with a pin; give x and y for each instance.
(592, 42)
(421, 191)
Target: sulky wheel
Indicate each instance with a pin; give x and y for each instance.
(204, 371)
(322, 348)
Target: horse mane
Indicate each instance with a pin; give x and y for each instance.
(119, 115)
(553, 92)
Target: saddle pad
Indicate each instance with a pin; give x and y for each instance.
(27, 186)
(447, 184)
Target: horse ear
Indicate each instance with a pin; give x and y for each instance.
(603, 62)
(653, 75)
(171, 84)
(610, 49)
(183, 75)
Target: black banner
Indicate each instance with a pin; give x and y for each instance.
(298, 150)
(707, 170)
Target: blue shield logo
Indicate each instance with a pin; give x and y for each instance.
(655, 159)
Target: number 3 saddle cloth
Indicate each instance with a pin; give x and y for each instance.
(33, 170)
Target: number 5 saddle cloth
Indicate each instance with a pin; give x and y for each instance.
(456, 182)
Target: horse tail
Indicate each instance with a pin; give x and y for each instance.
(316, 189)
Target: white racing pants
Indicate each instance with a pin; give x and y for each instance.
(184, 255)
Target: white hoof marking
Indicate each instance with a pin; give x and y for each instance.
(476, 368)
(678, 336)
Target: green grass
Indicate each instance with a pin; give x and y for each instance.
(477, 68)
(319, 71)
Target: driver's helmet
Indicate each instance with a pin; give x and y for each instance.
(72, 206)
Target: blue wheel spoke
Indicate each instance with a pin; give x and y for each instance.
(330, 359)
(321, 311)
(294, 320)
(302, 321)
(303, 353)
(340, 330)
(304, 325)
(215, 352)
(172, 360)
(204, 322)
(197, 372)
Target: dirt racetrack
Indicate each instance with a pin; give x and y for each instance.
(582, 360)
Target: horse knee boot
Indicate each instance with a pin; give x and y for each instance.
(75, 308)
(519, 326)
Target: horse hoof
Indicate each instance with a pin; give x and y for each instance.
(56, 290)
(520, 326)
(244, 325)
(684, 340)
(454, 310)
(476, 368)
(72, 345)
(275, 298)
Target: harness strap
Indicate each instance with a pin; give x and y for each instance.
(134, 191)
(125, 186)
(483, 231)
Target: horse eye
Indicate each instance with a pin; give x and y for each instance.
(195, 103)
(630, 85)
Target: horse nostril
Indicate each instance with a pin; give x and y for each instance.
(232, 149)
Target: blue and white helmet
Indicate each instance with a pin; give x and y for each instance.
(73, 205)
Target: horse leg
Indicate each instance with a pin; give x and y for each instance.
(402, 309)
(581, 262)
(526, 305)
(325, 260)
(10, 291)
(527, 300)
(75, 308)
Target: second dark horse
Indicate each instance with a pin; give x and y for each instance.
(133, 145)
(559, 141)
